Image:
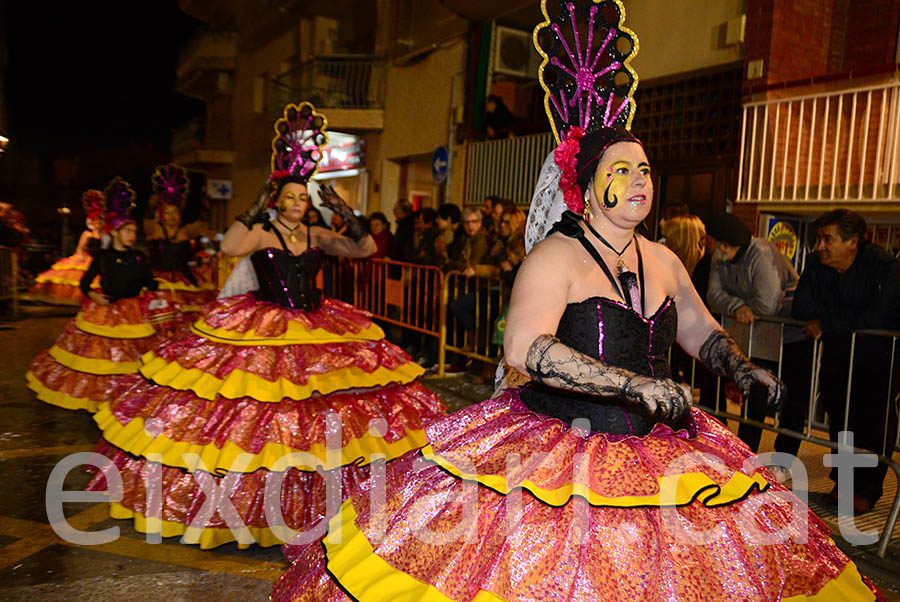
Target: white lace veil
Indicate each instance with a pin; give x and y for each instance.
(242, 279)
(547, 204)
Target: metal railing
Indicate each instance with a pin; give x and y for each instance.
(507, 168)
(470, 307)
(9, 278)
(757, 341)
(338, 81)
(842, 145)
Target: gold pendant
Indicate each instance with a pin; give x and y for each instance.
(293, 237)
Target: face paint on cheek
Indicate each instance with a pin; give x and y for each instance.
(616, 186)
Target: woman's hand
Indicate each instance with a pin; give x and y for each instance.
(758, 383)
(669, 401)
(98, 298)
(255, 211)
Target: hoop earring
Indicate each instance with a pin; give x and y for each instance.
(587, 208)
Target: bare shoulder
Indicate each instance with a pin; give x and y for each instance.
(659, 252)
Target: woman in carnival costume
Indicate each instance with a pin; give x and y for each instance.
(113, 329)
(170, 243)
(264, 374)
(597, 480)
(61, 283)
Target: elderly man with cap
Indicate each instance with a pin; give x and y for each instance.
(750, 277)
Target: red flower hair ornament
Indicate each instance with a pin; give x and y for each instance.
(566, 158)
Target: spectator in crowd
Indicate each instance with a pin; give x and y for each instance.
(685, 234)
(380, 230)
(499, 122)
(847, 285)
(508, 249)
(425, 232)
(451, 235)
(487, 212)
(749, 278)
(665, 214)
(403, 233)
(338, 224)
(476, 244)
(313, 217)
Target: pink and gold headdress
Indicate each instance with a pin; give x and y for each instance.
(587, 80)
(297, 145)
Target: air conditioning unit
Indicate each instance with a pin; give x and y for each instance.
(514, 54)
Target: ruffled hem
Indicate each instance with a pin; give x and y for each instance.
(119, 331)
(56, 294)
(302, 500)
(659, 469)
(238, 383)
(58, 398)
(92, 365)
(264, 320)
(174, 280)
(134, 438)
(294, 334)
(357, 569)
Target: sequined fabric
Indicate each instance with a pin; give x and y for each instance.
(251, 424)
(86, 345)
(301, 500)
(55, 377)
(183, 294)
(132, 310)
(245, 313)
(60, 283)
(296, 363)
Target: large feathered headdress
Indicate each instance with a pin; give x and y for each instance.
(119, 203)
(171, 185)
(299, 138)
(94, 203)
(588, 84)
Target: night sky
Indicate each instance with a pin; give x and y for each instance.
(95, 74)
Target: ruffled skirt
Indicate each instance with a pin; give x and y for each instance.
(99, 346)
(257, 394)
(505, 504)
(188, 297)
(60, 284)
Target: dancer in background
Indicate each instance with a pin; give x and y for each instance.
(597, 480)
(265, 372)
(60, 284)
(113, 329)
(170, 243)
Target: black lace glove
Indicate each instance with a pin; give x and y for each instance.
(721, 354)
(330, 199)
(255, 212)
(668, 401)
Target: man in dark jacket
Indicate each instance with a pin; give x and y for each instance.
(850, 285)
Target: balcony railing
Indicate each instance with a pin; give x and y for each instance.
(834, 146)
(507, 168)
(342, 81)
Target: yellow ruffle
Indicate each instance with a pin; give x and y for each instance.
(57, 280)
(59, 399)
(295, 333)
(674, 490)
(184, 286)
(92, 365)
(244, 384)
(207, 538)
(122, 331)
(134, 439)
(354, 565)
(366, 576)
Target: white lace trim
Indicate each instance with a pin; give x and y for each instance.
(242, 279)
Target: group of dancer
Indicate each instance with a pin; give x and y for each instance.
(595, 480)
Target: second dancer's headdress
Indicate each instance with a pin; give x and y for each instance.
(119, 203)
(94, 203)
(297, 145)
(171, 185)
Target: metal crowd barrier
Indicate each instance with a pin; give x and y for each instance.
(9, 278)
(764, 339)
(471, 307)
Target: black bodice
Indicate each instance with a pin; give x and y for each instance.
(287, 279)
(168, 255)
(614, 333)
(122, 274)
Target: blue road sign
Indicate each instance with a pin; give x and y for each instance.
(440, 162)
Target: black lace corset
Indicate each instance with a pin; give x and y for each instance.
(167, 255)
(288, 279)
(614, 333)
